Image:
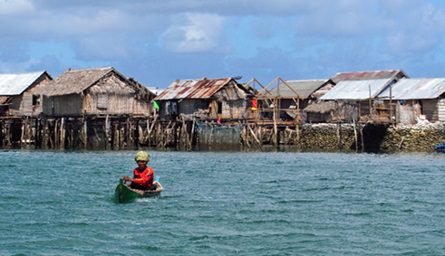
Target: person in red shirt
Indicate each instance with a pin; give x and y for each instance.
(142, 175)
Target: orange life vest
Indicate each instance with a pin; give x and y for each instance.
(143, 179)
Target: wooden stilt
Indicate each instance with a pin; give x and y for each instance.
(45, 136)
(85, 133)
(22, 136)
(62, 133)
(339, 137)
(192, 134)
(355, 135)
(107, 132)
(297, 128)
(256, 139)
(56, 134)
(116, 136)
(275, 127)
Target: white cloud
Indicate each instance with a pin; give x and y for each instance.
(418, 30)
(13, 7)
(202, 33)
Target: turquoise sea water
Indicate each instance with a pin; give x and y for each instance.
(56, 203)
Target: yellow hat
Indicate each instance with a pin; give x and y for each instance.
(142, 156)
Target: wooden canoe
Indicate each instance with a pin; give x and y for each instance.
(125, 194)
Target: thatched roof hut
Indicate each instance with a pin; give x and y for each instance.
(98, 91)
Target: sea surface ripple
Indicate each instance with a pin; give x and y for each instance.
(61, 203)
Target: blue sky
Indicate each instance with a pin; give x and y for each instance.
(158, 41)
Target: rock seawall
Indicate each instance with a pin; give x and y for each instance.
(373, 138)
(416, 138)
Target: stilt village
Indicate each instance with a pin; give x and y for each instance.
(101, 108)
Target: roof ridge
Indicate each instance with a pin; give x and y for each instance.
(89, 69)
(24, 73)
(369, 71)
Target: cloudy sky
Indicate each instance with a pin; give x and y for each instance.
(158, 41)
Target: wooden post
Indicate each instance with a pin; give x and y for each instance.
(370, 102)
(22, 135)
(107, 132)
(362, 137)
(141, 135)
(275, 128)
(129, 130)
(390, 105)
(255, 137)
(1, 133)
(45, 136)
(152, 134)
(339, 137)
(297, 127)
(37, 133)
(7, 139)
(355, 135)
(97, 144)
(115, 137)
(56, 133)
(122, 138)
(85, 133)
(62, 133)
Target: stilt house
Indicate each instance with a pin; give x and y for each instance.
(99, 91)
(289, 98)
(17, 93)
(207, 99)
(354, 97)
(417, 100)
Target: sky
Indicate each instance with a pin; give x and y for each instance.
(159, 41)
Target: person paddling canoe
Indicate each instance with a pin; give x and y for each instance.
(142, 175)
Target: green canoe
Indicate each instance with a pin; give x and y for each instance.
(125, 194)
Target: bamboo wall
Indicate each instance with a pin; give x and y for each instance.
(430, 109)
(64, 105)
(441, 110)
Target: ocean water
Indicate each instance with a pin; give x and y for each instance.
(61, 203)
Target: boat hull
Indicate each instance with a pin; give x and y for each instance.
(125, 194)
(440, 148)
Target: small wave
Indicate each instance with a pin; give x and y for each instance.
(323, 188)
(151, 248)
(303, 201)
(267, 221)
(172, 196)
(358, 214)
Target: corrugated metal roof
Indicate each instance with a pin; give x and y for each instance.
(408, 89)
(304, 88)
(368, 75)
(16, 84)
(193, 89)
(357, 89)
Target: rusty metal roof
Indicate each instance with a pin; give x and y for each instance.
(357, 89)
(409, 89)
(366, 75)
(16, 84)
(193, 89)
